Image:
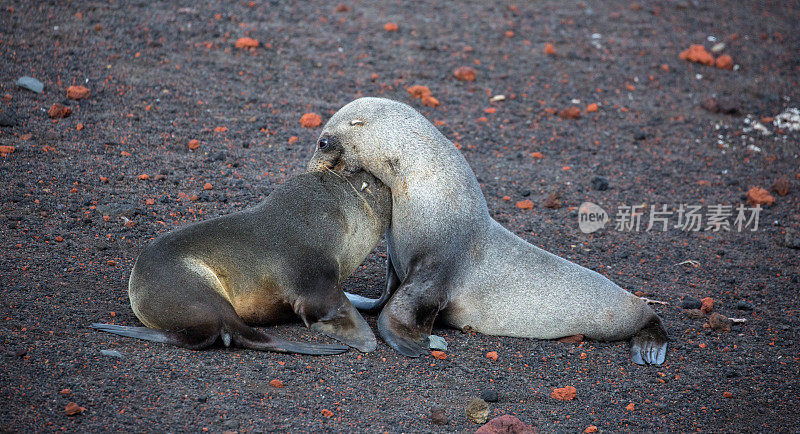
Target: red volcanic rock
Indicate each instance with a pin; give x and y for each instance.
(759, 196)
(311, 120)
(724, 62)
(698, 54)
(567, 393)
(58, 111)
(506, 424)
(465, 73)
(78, 92)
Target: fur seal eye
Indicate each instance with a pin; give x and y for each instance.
(355, 122)
(322, 144)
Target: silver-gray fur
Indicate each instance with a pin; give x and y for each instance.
(447, 256)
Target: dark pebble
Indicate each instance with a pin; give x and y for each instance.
(689, 302)
(438, 416)
(711, 104)
(729, 106)
(599, 183)
(744, 305)
(489, 395)
(9, 118)
(792, 239)
(202, 398)
(21, 352)
(640, 135)
(526, 193)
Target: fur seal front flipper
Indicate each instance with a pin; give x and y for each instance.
(406, 322)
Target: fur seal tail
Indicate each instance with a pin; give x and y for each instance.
(649, 345)
(241, 335)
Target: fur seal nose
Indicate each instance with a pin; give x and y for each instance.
(323, 143)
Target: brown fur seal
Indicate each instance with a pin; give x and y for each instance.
(448, 257)
(287, 255)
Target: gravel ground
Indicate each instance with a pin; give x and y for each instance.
(76, 207)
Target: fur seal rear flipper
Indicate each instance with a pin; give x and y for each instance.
(454, 261)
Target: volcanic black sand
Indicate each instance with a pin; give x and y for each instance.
(82, 195)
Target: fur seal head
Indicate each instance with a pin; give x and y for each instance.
(380, 136)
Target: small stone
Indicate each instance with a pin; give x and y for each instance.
(477, 410)
(567, 393)
(574, 339)
(553, 201)
(6, 150)
(525, 204)
(65, 392)
(694, 313)
(311, 120)
(465, 73)
(599, 183)
(59, 111)
(590, 429)
(439, 355)
(391, 27)
(727, 395)
(492, 355)
(759, 196)
(208, 186)
(780, 186)
(792, 239)
(630, 407)
(111, 353)
(707, 305)
(342, 7)
(689, 302)
(438, 416)
(489, 395)
(729, 106)
(724, 62)
(549, 49)
(572, 112)
(592, 108)
(640, 135)
(710, 104)
(194, 144)
(430, 101)
(719, 322)
(698, 54)
(73, 409)
(418, 91)
(744, 305)
(9, 117)
(31, 84)
(247, 43)
(78, 92)
(718, 47)
(437, 343)
(327, 413)
(506, 424)
(537, 155)
(278, 384)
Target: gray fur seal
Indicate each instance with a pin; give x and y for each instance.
(449, 258)
(288, 255)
